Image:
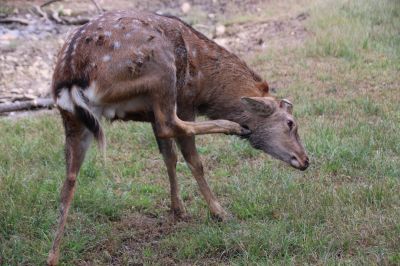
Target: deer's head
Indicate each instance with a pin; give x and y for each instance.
(274, 130)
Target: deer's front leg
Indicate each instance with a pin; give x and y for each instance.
(77, 141)
(168, 151)
(189, 152)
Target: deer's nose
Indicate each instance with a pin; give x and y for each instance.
(306, 162)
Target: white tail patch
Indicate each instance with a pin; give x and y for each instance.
(77, 97)
(64, 101)
(91, 93)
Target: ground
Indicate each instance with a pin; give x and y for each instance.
(338, 61)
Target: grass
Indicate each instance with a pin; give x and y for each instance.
(343, 210)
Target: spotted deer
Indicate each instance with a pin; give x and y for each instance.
(140, 66)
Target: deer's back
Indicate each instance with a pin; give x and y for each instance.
(120, 55)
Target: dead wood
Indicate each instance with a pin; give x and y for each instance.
(99, 9)
(56, 18)
(75, 21)
(14, 20)
(49, 2)
(27, 105)
(40, 12)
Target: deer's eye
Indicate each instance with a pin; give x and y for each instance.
(290, 124)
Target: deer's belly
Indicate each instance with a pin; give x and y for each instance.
(121, 110)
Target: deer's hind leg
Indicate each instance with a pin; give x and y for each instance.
(168, 151)
(169, 125)
(77, 141)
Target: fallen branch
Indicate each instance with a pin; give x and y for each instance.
(56, 18)
(49, 2)
(40, 12)
(27, 105)
(99, 9)
(75, 21)
(14, 20)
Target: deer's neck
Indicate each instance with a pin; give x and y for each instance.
(225, 79)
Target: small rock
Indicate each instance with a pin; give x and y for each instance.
(67, 12)
(11, 35)
(222, 42)
(185, 7)
(211, 15)
(220, 30)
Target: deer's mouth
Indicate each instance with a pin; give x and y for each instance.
(247, 130)
(298, 164)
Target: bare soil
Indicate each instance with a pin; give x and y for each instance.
(135, 233)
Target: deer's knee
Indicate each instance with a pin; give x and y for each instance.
(165, 132)
(173, 128)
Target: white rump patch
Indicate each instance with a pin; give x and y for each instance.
(64, 101)
(77, 97)
(90, 93)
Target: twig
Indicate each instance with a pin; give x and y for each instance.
(41, 12)
(55, 17)
(49, 2)
(14, 20)
(99, 9)
(76, 21)
(26, 105)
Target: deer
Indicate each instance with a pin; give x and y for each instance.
(142, 66)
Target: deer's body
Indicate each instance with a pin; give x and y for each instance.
(146, 67)
(123, 61)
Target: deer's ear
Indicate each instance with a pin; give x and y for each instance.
(286, 105)
(263, 106)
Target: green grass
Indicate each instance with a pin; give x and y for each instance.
(343, 210)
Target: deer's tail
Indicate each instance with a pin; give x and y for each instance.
(75, 102)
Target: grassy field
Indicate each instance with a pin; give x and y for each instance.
(345, 209)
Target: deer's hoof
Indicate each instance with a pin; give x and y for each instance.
(222, 217)
(179, 214)
(178, 211)
(52, 260)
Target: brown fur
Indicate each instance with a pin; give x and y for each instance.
(145, 67)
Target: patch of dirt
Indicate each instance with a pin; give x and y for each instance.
(255, 36)
(134, 234)
(27, 59)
